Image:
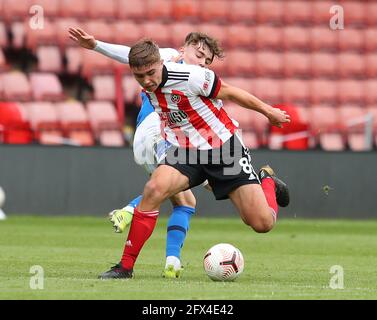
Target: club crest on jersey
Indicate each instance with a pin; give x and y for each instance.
(175, 98)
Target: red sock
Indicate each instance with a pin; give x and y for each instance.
(268, 186)
(142, 226)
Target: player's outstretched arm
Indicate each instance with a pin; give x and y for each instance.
(114, 51)
(241, 97)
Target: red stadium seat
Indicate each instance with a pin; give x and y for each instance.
(354, 12)
(159, 32)
(51, 8)
(250, 139)
(324, 64)
(371, 65)
(240, 63)
(19, 34)
(14, 126)
(295, 91)
(126, 32)
(44, 121)
(46, 86)
(323, 38)
(243, 116)
(350, 91)
(268, 63)
(350, 39)
(325, 125)
(323, 91)
(321, 11)
(102, 9)
(131, 9)
(3, 35)
(242, 83)
(270, 11)
(16, 10)
(268, 90)
(296, 11)
(179, 31)
(352, 65)
(16, 86)
(242, 11)
(370, 39)
(159, 9)
(371, 10)
(44, 36)
(268, 37)
(3, 62)
(131, 89)
(214, 30)
(101, 29)
(62, 26)
(74, 59)
(94, 63)
(296, 38)
(355, 133)
(75, 122)
(49, 59)
(240, 35)
(74, 8)
(213, 10)
(370, 93)
(185, 9)
(105, 123)
(296, 64)
(104, 87)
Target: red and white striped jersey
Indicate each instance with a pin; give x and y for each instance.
(190, 114)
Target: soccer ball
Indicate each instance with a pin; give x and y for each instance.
(223, 262)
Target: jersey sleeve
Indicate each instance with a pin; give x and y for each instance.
(204, 82)
(114, 51)
(167, 54)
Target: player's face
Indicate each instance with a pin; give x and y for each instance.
(198, 54)
(149, 77)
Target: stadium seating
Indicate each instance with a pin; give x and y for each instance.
(49, 59)
(105, 123)
(75, 123)
(271, 11)
(46, 86)
(44, 121)
(16, 86)
(242, 11)
(280, 51)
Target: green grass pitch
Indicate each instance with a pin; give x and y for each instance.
(292, 261)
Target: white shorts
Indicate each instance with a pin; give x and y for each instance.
(149, 146)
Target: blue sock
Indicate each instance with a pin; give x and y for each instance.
(178, 226)
(133, 204)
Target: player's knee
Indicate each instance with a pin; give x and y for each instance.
(155, 190)
(261, 224)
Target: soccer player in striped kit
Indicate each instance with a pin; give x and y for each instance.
(204, 146)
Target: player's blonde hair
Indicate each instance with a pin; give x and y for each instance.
(144, 53)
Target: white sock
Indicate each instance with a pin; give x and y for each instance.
(2, 215)
(171, 260)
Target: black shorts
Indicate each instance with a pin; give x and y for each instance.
(226, 168)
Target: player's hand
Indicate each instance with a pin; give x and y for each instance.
(84, 39)
(278, 117)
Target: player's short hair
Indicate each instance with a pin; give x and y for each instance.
(212, 43)
(144, 53)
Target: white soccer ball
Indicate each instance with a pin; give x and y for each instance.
(223, 262)
(2, 197)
